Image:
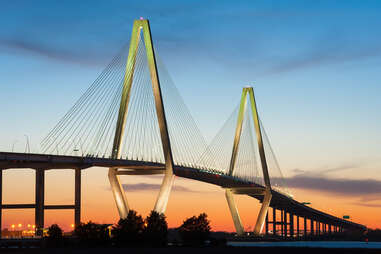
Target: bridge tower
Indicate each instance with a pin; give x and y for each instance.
(141, 26)
(266, 191)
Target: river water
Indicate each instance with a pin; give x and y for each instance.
(311, 244)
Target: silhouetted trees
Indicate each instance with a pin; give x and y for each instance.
(156, 229)
(132, 231)
(92, 234)
(129, 231)
(195, 230)
(374, 235)
(54, 237)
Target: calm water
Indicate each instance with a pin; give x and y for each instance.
(370, 245)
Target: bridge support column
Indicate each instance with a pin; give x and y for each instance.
(165, 190)
(77, 198)
(118, 193)
(312, 231)
(263, 212)
(234, 212)
(274, 221)
(318, 227)
(297, 227)
(282, 222)
(285, 224)
(40, 201)
(291, 224)
(267, 224)
(1, 200)
(305, 227)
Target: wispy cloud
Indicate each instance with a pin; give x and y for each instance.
(365, 191)
(325, 171)
(347, 187)
(331, 48)
(53, 53)
(152, 186)
(367, 204)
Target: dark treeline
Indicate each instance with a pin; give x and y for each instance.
(133, 231)
(152, 231)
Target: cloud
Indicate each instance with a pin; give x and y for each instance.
(339, 186)
(325, 171)
(330, 49)
(367, 205)
(338, 168)
(151, 186)
(56, 54)
(298, 171)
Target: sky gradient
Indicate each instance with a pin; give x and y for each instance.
(314, 65)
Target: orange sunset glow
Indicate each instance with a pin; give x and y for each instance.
(99, 206)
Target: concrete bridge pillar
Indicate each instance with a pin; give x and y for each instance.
(297, 227)
(312, 230)
(318, 228)
(165, 190)
(1, 199)
(263, 211)
(234, 212)
(291, 224)
(305, 227)
(274, 221)
(40, 201)
(282, 222)
(285, 224)
(77, 197)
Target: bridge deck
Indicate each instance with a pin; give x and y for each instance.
(279, 200)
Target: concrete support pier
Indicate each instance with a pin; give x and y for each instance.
(285, 224)
(305, 227)
(312, 232)
(274, 221)
(77, 198)
(267, 224)
(1, 200)
(40, 201)
(282, 223)
(234, 212)
(291, 225)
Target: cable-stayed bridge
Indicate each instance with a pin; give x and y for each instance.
(133, 121)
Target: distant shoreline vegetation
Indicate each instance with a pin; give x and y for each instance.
(152, 231)
(133, 231)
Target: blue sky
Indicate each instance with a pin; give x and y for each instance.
(316, 67)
